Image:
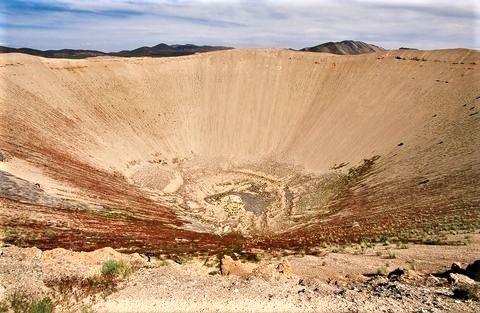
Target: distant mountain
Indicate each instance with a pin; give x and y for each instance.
(164, 50)
(161, 50)
(345, 47)
(63, 53)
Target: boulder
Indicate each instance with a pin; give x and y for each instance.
(457, 279)
(473, 270)
(230, 267)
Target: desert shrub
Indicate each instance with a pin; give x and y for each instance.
(49, 232)
(391, 255)
(41, 306)
(8, 236)
(237, 253)
(19, 302)
(181, 260)
(355, 173)
(366, 243)
(77, 288)
(114, 268)
(413, 264)
(382, 270)
(3, 307)
(86, 309)
(251, 257)
(402, 245)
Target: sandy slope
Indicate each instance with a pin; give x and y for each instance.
(143, 136)
(310, 109)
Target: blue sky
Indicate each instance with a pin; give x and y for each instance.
(112, 25)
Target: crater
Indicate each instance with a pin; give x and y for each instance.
(255, 147)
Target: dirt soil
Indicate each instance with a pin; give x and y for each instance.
(340, 281)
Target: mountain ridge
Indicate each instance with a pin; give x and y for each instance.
(160, 50)
(345, 47)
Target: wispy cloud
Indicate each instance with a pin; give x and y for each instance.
(121, 24)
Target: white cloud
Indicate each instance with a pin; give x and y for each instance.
(114, 25)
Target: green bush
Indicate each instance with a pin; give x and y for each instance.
(19, 302)
(114, 268)
(181, 260)
(41, 306)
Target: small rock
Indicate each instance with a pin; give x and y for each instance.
(456, 266)
(285, 268)
(395, 275)
(460, 279)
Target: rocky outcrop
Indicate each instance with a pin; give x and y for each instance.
(473, 270)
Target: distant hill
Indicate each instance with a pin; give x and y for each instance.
(63, 53)
(168, 50)
(161, 50)
(345, 47)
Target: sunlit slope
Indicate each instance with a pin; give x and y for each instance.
(87, 123)
(310, 109)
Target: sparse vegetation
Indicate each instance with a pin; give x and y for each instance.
(8, 235)
(181, 260)
(383, 270)
(114, 268)
(236, 252)
(391, 255)
(356, 172)
(49, 232)
(20, 302)
(163, 262)
(41, 306)
(86, 309)
(412, 264)
(402, 245)
(105, 283)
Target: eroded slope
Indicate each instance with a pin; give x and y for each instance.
(186, 153)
